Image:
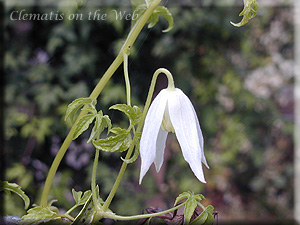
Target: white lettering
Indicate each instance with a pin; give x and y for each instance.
(135, 15)
(11, 15)
(120, 15)
(76, 16)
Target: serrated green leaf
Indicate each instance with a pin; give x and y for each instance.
(101, 123)
(133, 113)
(210, 209)
(205, 217)
(137, 149)
(12, 187)
(183, 195)
(76, 195)
(120, 142)
(210, 219)
(88, 211)
(199, 197)
(137, 115)
(74, 106)
(249, 11)
(85, 197)
(161, 11)
(189, 209)
(38, 215)
(83, 124)
(154, 18)
(200, 219)
(86, 215)
(92, 110)
(79, 199)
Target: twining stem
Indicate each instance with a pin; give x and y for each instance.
(126, 75)
(129, 152)
(95, 93)
(137, 217)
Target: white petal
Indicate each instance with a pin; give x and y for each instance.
(185, 125)
(160, 148)
(150, 131)
(200, 136)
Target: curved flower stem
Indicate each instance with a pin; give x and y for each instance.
(137, 217)
(171, 85)
(151, 91)
(95, 93)
(127, 82)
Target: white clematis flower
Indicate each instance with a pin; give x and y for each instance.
(172, 111)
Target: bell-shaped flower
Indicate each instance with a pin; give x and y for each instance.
(172, 111)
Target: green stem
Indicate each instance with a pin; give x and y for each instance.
(93, 184)
(68, 216)
(202, 206)
(151, 91)
(137, 217)
(118, 180)
(95, 93)
(171, 85)
(70, 210)
(127, 82)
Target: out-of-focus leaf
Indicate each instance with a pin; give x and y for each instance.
(38, 128)
(136, 3)
(12, 187)
(80, 4)
(249, 11)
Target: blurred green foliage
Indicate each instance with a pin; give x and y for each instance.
(248, 135)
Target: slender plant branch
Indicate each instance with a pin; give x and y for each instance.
(95, 93)
(70, 210)
(93, 183)
(68, 216)
(143, 216)
(126, 75)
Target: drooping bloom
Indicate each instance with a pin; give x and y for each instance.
(172, 111)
